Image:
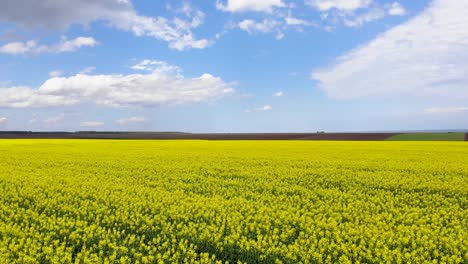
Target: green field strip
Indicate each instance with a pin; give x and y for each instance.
(428, 137)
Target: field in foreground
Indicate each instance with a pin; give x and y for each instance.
(91, 201)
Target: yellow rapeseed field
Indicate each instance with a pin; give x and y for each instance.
(109, 201)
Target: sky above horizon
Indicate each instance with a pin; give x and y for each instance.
(233, 65)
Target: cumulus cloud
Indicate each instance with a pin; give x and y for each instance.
(160, 86)
(32, 46)
(119, 14)
(278, 94)
(396, 9)
(260, 109)
(131, 120)
(344, 5)
(438, 110)
(92, 124)
(22, 97)
(3, 120)
(249, 5)
(424, 57)
(264, 26)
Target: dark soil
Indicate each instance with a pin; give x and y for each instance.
(203, 136)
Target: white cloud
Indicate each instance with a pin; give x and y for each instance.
(31, 46)
(252, 26)
(344, 5)
(396, 9)
(276, 22)
(260, 109)
(91, 124)
(177, 32)
(351, 13)
(354, 20)
(424, 57)
(249, 5)
(278, 94)
(88, 70)
(75, 44)
(160, 86)
(437, 110)
(22, 97)
(17, 47)
(119, 14)
(131, 120)
(155, 65)
(55, 73)
(3, 120)
(292, 21)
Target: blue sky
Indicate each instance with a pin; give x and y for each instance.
(233, 65)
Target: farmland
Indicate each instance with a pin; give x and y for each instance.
(428, 137)
(130, 201)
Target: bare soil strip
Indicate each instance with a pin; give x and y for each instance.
(202, 136)
(466, 136)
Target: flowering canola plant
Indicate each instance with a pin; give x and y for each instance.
(130, 201)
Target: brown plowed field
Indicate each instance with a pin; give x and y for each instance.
(203, 136)
(466, 137)
(350, 136)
